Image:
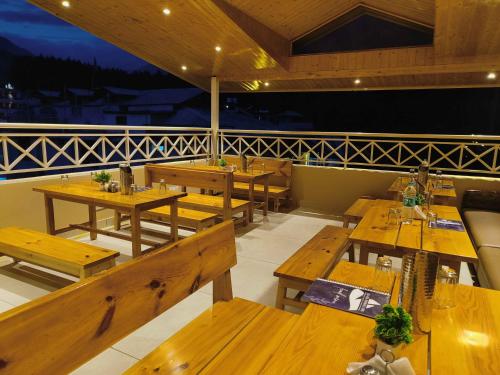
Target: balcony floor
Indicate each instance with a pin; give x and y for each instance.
(261, 247)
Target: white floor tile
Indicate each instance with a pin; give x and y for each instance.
(109, 362)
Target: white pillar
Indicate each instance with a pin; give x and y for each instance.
(214, 111)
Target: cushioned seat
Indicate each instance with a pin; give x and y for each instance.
(484, 227)
(489, 267)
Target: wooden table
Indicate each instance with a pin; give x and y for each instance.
(91, 196)
(375, 235)
(441, 196)
(253, 177)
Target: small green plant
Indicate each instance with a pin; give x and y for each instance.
(420, 199)
(222, 163)
(102, 177)
(394, 326)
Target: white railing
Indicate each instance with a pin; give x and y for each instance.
(460, 154)
(35, 148)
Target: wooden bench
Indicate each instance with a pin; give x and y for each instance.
(314, 260)
(355, 213)
(279, 182)
(220, 181)
(187, 219)
(56, 253)
(41, 336)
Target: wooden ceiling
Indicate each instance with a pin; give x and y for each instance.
(256, 35)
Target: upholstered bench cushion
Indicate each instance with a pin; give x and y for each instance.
(489, 267)
(484, 227)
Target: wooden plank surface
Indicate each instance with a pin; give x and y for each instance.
(359, 208)
(316, 257)
(51, 251)
(66, 328)
(325, 340)
(90, 194)
(466, 339)
(373, 230)
(410, 236)
(359, 275)
(195, 345)
(249, 352)
(450, 244)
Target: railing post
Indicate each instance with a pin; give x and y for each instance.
(346, 151)
(127, 146)
(214, 112)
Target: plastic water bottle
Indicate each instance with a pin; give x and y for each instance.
(409, 202)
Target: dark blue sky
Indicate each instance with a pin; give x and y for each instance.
(41, 33)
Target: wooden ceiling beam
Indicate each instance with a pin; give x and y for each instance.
(274, 44)
(389, 62)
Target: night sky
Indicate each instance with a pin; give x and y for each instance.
(39, 32)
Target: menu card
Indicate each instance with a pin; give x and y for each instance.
(448, 224)
(351, 298)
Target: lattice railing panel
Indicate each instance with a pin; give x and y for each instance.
(32, 148)
(456, 154)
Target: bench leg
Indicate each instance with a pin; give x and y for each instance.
(117, 220)
(246, 216)
(222, 288)
(352, 256)
(346, 223)
(276, 204)
(93, 222)
(280, 295)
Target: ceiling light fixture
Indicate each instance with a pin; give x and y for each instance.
(184, 67)
(65, 4)
(492, 75)
(218, 48)
(266, 84)
(357, 81)
(166, 11)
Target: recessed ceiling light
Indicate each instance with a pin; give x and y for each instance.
(218, 48)
(184, 67)
(65, 4)
(166, 11)
(266, 84)
(492, 75)
(357, 81)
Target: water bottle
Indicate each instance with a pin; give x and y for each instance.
(409, 202)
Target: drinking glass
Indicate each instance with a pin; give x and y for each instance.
(432, 218)
(383, 274)
(64, 179)
(162, 186)
(192, 162)
(446, 286)
(439, 179)
(92, 177)
(394, 216)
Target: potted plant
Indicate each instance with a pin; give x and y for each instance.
(394, 327)
(102, 178)
(222, 163)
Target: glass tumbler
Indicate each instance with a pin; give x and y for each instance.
(446, 286)
(439, 179)
(383, 274)
(432, 218)
(394, 216)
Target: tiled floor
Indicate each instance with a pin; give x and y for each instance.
(261, 248)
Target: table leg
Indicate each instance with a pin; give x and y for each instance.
(174, 226)
(266, 195)
(135, 223)
(93, 222)
(363, 254)
(49, 215)
(117, 220)
(251, 199)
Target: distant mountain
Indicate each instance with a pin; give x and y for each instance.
(6, 46)
(151, 69)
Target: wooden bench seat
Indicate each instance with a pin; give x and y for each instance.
(358, 209)
(195, 346)
(314, 260)
(191, 219)
(56, 253)
(279, 181)
(220, 181)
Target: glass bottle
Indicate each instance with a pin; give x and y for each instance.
(409, 202)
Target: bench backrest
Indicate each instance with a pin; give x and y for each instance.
(60, 331)
(282, 168)
(188, 177)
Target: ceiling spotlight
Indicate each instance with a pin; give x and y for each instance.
(65, 4)
(492, 75)
(266, 84)
(184, 67)
(166, 11)
(218, 48)
(357, 81)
